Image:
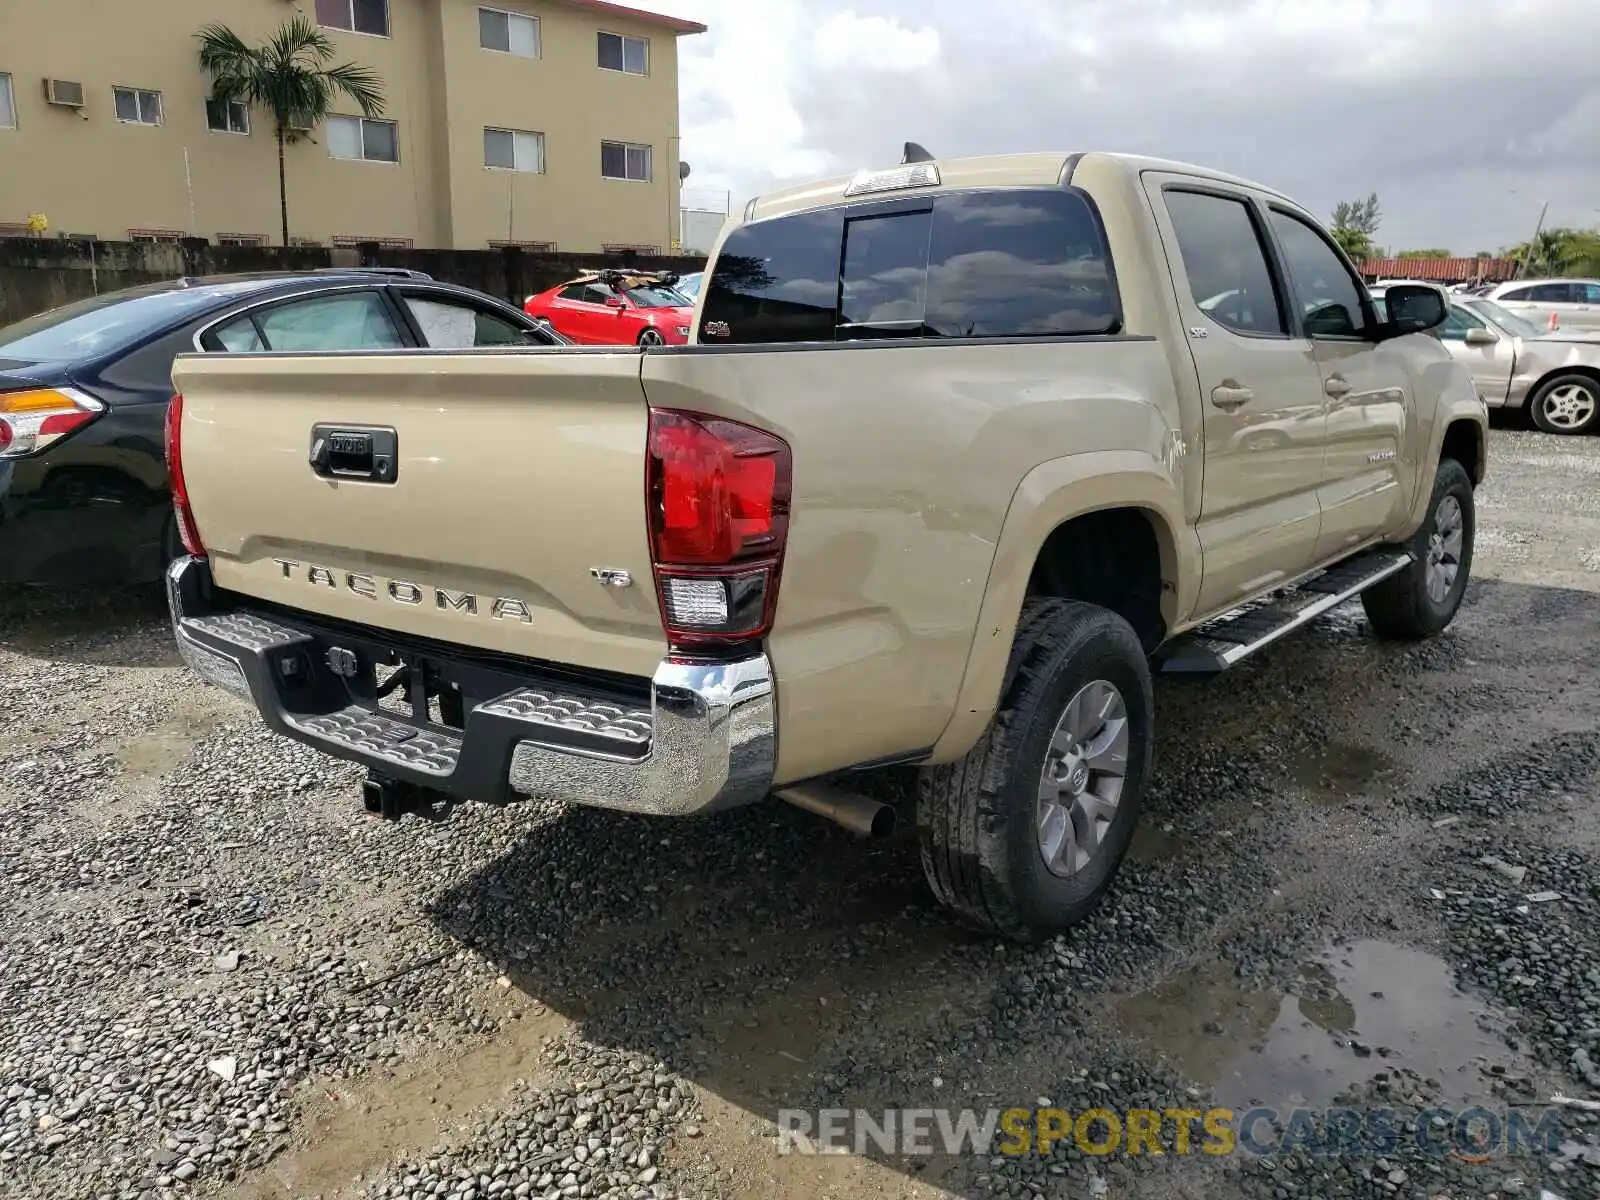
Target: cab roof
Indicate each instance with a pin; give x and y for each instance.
(1031, 169)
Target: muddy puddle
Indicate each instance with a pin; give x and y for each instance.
(1335, 771)
(1154, 844)
(1355, 1012)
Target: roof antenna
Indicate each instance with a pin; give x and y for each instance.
(915, 154)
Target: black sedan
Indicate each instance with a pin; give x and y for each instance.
(84, 391)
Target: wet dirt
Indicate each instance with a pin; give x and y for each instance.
(1154, 844)
(1335, 771)
(1355, 1012)
(346, 1130)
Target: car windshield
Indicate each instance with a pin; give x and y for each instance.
(1507, 320)
(105, 323)
(658, 296)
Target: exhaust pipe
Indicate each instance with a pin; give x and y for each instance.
(861, 815)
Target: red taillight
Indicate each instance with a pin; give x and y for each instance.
(187, 530)
(718, 493)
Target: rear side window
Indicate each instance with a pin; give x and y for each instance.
(1224, 261)
(1553, 293)
(969, 264)
(353, 321)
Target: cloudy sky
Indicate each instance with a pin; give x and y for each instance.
(1465, 116)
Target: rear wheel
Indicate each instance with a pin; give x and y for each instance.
(1422, 600)
(651, 337)
(1566, 404)
(1023, 835)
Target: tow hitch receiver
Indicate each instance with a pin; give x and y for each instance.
(391, 799)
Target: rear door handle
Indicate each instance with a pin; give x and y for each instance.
(1336, 386)
(1229, 394)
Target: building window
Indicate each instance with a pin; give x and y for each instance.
(363, 138)
(513, 150)
(8, 104)
(356, 16)
(622, 160)
(629, 248)
(137, 107)
(241, 239)
(509, 33)
(536, 247)
(629, 54)
(227, 116)
(152, 237)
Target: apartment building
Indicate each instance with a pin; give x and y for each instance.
(541, 123)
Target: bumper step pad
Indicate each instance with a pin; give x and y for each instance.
(1220, 643)
(427, 750)
(628, 728)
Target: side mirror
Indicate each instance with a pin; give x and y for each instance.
(1480, 337)
(615, 302)
(1413, 308)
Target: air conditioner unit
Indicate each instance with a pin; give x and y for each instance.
(300, 125)
(64, 92)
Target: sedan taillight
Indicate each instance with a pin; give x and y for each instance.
(34, 420)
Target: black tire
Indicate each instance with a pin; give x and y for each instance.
(1566, 404)
(1401, 607)
(651, 337)
(976, 818)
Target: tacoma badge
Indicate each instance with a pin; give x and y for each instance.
(403, 591)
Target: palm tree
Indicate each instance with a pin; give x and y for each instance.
(288, 75)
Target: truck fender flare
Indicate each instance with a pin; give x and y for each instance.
(1051, 494)
(1456, 405)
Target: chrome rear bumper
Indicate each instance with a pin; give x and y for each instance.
(698, 738)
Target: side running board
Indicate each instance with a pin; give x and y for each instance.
(1223, 641)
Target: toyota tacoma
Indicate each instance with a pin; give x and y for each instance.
(959, 454)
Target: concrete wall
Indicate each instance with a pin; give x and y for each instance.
(90, 173)
(36, 274)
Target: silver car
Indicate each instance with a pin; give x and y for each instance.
(1517, 364)
(1575, 303)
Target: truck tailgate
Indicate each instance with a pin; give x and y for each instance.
(516, 476)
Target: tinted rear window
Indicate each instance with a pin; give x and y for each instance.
(104, 323)
(778, 281)
(970, 264)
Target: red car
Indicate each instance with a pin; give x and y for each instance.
(617, 308)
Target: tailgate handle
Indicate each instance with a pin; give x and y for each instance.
(355, 452)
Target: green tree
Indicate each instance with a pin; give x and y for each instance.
(1430, 253)
(1354, 223)
(290, 76)
(1560, 252)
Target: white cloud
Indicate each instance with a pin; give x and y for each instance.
(847, 42)
(1464, 119)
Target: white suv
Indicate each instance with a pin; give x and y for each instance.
(1574, 302)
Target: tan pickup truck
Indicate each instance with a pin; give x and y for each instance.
(959, 454)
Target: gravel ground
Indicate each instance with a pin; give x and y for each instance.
(1366, 875)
